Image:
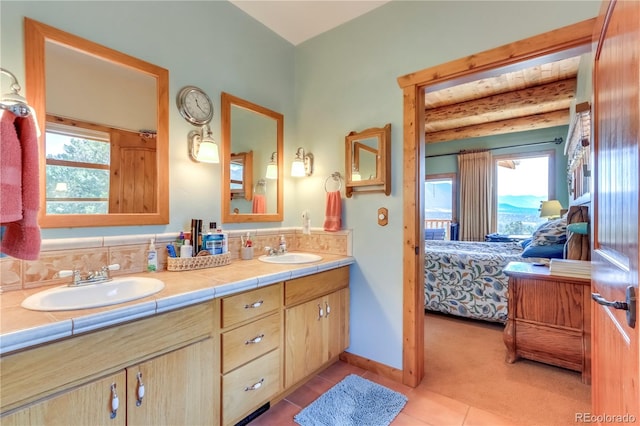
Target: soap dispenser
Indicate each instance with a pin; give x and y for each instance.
(152, 257)
(283, 245)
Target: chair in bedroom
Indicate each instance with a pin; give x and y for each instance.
(434, 234)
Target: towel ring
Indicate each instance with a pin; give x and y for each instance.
(337, 177)
(261, 187)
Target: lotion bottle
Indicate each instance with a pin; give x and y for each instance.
(152, 257)
(186, 250)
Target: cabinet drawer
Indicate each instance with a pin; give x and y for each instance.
(245, 306)
(250, 341)
(555, 346)
(248, 387)
(307, 288)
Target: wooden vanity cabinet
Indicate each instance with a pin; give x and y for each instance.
(316, 322)
(70, 382)
(250, 346)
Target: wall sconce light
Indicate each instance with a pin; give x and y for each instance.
(550, 209)
(272, 168)
(302, 165)
(202, 147)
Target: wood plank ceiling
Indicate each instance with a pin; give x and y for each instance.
(527, 99)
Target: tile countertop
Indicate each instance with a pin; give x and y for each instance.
(21, 328)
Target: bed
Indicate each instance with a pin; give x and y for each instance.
(466, 278)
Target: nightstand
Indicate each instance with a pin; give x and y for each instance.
(549, 318)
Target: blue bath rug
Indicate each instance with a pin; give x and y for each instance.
(354, 401)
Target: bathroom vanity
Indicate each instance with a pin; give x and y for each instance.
(211, 362)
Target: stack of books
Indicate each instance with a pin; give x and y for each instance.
(570, 268)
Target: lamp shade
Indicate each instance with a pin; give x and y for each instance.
(208, 152)
(297, 168)
(550, 209)
(272, 171)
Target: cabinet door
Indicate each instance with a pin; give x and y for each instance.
(336, 323)
(305, 350)
(88, 404)
(178, 388)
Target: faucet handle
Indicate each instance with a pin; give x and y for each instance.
(112, 267)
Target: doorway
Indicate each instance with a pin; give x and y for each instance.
(521, 53)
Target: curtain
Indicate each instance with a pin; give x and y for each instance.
(477, 211)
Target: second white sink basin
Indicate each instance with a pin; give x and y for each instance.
(291, 258)
(118, 290)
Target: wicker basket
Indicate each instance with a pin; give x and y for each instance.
(197, 262)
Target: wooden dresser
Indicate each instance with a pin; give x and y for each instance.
(549, 318)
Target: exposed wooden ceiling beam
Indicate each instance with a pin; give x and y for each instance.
(533, 100)
(531, 122)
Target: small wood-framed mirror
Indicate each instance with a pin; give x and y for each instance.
(368, 160)
(241, 175)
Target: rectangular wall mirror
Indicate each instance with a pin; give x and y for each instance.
(368, 160)
(250, 135)
(104, 120)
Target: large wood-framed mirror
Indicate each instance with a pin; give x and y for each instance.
(251, 128)
(368, 160)
(104, 124)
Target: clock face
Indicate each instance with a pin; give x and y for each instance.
(195, 106)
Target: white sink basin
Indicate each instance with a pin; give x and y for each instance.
(118, 290)
(291, 258)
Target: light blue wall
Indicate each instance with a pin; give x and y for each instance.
(209, 44)
(346, 80)
(340, 81)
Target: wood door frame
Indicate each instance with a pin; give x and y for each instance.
(413, 86)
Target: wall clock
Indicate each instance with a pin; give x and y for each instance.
(194, 105)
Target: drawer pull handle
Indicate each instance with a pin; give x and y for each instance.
(254, 305)
(256, 339)
(320, 312)
(115, 402)
(255, 386)
(140, 390)
(327, 309)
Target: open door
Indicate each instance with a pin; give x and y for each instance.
(615, 344)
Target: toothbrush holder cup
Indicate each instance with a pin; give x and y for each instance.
(246, 253)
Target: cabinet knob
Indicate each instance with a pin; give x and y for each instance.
(256, 339)
(320, 312)
(254, 305)
(115, 401)
(140, 390)
(255, 386)
(327, 309)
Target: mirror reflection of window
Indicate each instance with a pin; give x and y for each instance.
(237, 171)
(77, 170)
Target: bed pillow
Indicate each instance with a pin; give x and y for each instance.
(551, 251)
(550, 233)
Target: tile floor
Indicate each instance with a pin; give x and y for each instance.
(424, 407)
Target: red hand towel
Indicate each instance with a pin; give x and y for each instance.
(333, 213)
(259, 203)
(19, 186)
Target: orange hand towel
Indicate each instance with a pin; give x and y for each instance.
(259, 203)
(333, 212)
(19, 187)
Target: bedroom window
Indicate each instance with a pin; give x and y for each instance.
(439, 201)
(522, 182)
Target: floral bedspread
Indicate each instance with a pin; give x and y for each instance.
(466, 278)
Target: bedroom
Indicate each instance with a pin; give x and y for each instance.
(526, 167)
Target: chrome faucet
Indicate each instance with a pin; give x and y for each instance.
(99, 276)
(270, 251)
